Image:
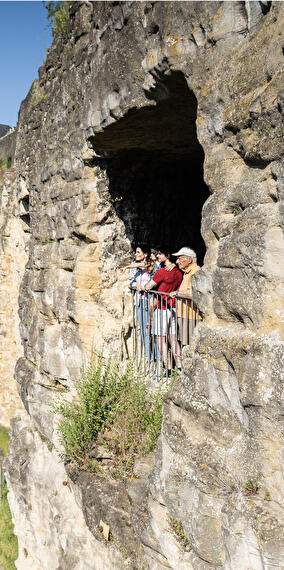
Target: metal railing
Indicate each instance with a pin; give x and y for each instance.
(162, 325)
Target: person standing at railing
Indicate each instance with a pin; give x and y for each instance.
(152, 266)
(150, 263)
(187, 313)
(166, 279)
(139, 277)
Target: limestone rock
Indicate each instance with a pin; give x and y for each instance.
(148, 120)
(62, 538)
(12, 262)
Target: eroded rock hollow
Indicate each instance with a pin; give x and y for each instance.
(152, 121)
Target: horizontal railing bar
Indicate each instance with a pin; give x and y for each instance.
(162, 324)
(180, 295)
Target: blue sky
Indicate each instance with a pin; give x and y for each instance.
(24, 38)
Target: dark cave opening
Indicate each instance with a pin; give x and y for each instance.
(155, 168)
(25, 210)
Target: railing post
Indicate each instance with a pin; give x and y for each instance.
(152, 344)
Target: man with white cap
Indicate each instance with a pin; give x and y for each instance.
(186, 310)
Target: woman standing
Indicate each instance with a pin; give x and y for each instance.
(139, 277)
(166, 279)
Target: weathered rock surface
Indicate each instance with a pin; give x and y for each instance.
(110, 148)
(12, 262)
(7, 145)
(49, 522)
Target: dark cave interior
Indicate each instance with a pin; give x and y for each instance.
(155, 167)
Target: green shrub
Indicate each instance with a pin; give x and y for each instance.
(114, 409)
(6, 164)
(4, 439)
(58, 16)
(8, 541)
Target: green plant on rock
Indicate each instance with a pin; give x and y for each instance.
(8, 541)
(6, 164)
(58, 16)
(4, 439)
(115, 199)
(37, 94)
(267, 496)
(118, 544)
(237, 210)
(46, 240)
(251, 487)
(115, 410)
(45, 440)
(177, 529)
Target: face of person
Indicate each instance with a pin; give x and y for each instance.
(161, 257)
(139, 254)
(184, 262)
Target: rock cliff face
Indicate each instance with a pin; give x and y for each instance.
(145, 115)
(13, 242)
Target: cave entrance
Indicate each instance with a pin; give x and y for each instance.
(155, 168)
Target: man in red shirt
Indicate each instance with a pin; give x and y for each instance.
(166, 279)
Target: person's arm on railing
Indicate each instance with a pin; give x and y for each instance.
(150, 285)
(181, 294)
(187, 295)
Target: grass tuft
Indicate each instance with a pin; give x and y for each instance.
(177, 529)
(4, 439)
(8, 541)
(251, 487)
(7, 164)
(116, 411)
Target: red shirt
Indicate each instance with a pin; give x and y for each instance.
(167, 282)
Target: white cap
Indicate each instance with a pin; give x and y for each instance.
(186, 251)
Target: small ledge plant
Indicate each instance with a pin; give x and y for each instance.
(267, 496)
(251, 488)
(8, 541)
(116, 413)
(177, 529)
(6, 164)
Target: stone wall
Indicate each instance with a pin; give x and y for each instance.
(222, 419)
